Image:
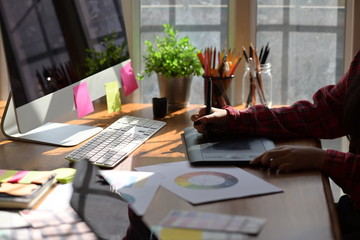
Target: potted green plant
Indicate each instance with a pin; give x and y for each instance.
(175, 62)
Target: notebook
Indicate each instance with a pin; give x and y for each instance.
(218, 150)
(21, 189)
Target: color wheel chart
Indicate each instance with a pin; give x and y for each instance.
(206, 180)
(207, 184)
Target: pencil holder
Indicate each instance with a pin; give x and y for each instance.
(220, 90)
(257, 86)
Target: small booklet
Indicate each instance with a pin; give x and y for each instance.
(218, 150)
(23, 189)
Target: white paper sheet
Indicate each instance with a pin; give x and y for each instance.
(58, 198)
(12, 220)
(206, 184)
(138, 188)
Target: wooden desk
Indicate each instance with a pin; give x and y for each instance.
(303, 211)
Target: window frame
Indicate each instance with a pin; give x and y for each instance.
(352, 31)
(242, 26)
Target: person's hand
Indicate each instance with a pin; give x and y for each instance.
(292, 158)
(216, 122)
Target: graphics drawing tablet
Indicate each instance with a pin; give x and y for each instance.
(227, 151)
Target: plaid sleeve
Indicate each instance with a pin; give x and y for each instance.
(343, 169)
(320, 118)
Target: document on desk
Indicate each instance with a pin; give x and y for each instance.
(13, 220)
(58, 198)
(138, 188)
(207, 184)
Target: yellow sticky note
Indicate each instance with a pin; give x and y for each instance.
(180, 234)
(113, 96)
(65, 175)
(38, 177)
(7, 175)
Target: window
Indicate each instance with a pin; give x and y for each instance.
(204, 21)
(295, 30)
(307, 45)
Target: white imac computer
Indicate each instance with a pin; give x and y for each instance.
(46, 43)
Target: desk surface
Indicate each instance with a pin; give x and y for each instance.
(303, 211)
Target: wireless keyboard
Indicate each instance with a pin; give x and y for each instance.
(117, 141)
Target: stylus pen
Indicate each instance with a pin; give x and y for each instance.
(209, 96)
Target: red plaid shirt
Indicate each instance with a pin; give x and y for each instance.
(319, 119)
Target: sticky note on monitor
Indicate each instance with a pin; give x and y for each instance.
(82, 99)
(113, 96)
(128, 78)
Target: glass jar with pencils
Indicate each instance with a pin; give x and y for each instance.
(257, 85)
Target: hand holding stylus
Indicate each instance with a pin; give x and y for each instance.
(215, 122)
(208, 119)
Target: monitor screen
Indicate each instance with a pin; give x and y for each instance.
(52, 45)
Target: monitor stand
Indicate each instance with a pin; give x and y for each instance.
(58, 134)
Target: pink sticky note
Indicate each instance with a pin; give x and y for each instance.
(128, 79)
(82, 99)
(18, 176)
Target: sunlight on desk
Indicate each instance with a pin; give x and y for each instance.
(4, 142)
(305, 209)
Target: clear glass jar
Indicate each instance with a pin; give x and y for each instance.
(259, 92)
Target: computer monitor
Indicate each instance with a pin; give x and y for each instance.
(46, 43)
